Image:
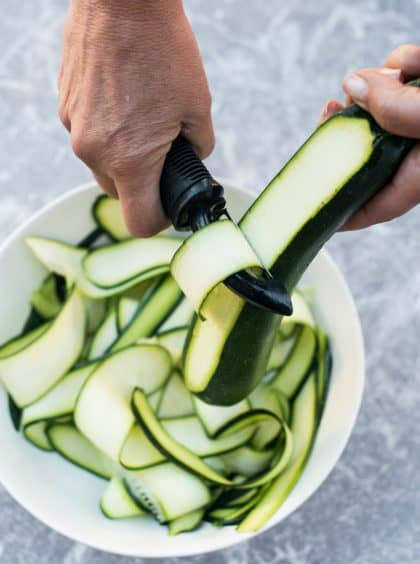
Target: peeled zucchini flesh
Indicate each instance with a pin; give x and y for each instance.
(108, 215)
(116, 502)
(76, 448)
(167, 491)
(103, 412)
(31, 372)
(212, 254)
(136, 258)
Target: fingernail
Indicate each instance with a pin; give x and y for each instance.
(329, 108)
(356, 87)
(394, 73)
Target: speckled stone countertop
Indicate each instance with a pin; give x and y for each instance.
(271, 66)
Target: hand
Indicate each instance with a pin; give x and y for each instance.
(396, 107)
(131, 80)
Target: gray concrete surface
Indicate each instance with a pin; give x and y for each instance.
(271, 66)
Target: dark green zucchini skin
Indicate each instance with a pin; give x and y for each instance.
(245, 355)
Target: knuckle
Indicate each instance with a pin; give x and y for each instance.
(84, 146)
(139, 228)
(64, 115)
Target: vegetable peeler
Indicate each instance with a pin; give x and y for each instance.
(192, 199)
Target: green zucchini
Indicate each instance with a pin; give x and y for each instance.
(137, 259)
(174, 341)
(343, 164)
(167, 491)
(45, 299)
(303, 428)
(290, 376)
(116, 502)
(36, 434)
(186, 523)
(160, 300)
(107, 214)
(60, 400)
(102, 410)
(105, 335)
(76, 448)
(200, 254)
(20, 342)
(33, 370)
(176, 399)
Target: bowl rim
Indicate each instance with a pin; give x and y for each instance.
(13, 490)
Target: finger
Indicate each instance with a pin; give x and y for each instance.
(200, 134)
(106, 183)
(331, 108)
(406, 58)
(397, 198)
(395, 106)
(139, 194)
(393, 74)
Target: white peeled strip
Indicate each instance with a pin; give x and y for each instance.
(103, 413)
(31, 372)
(208, 257)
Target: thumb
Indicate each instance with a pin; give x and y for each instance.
(394, 105)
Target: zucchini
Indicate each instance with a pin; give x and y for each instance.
(167, 491)
(200, 254)
(107, 214)
(174, 342)
(45, 299)
(153, 309)
(139, 452)
(67, 260)
(137, 259)
(186, 523)
(33, 370)
(76, 448)
(60, 400)
(176, 399)
(303, 428)
(214, 417)
(292, 373)
(180, 317)
(16, 344)
(343, 164)
(169, 447)
(105, 335)
(116, 502)
(36, 434)
(102, 410)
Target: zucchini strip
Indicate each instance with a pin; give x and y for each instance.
(136, 258)
(76, 448)
(116, 502)
(164, 442)
(209, 256)
(107, 214)
(303, 430)
(31, 372)
(292, 373)
(66, 260)
(187, 459)
(153, 309)
(102, 410)
(167, 491)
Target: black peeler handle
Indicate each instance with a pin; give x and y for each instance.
(185, 184)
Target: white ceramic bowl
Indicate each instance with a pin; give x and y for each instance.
(65, 497)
